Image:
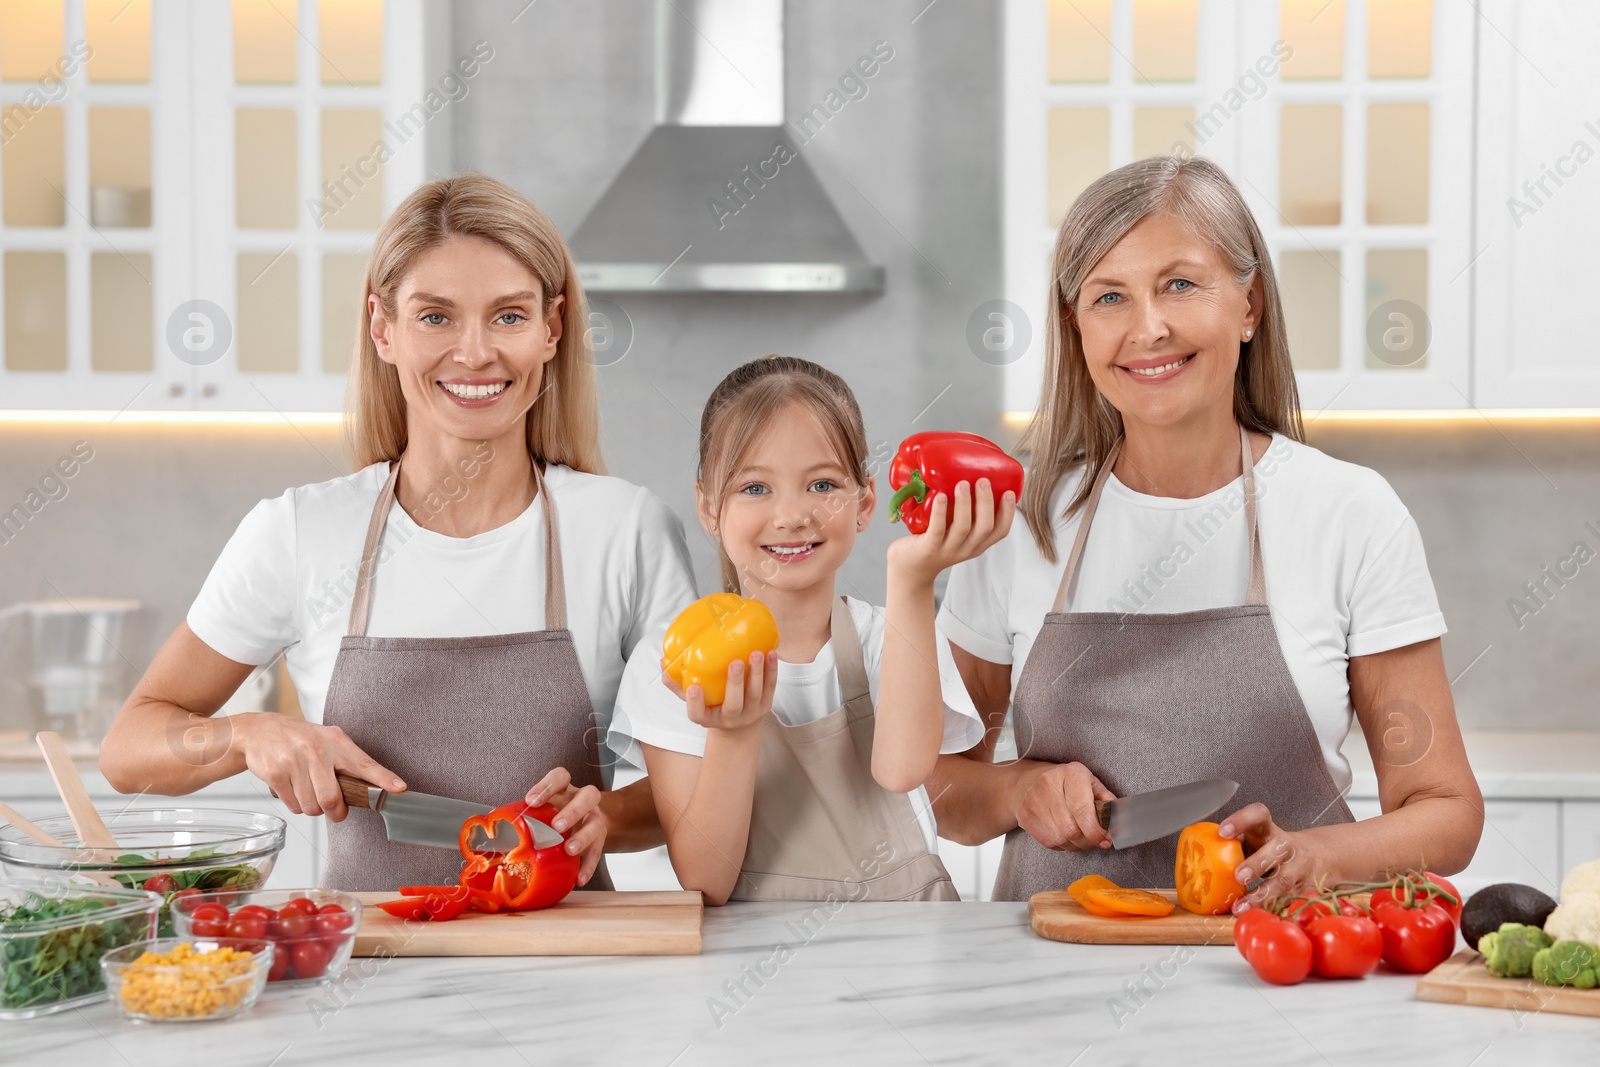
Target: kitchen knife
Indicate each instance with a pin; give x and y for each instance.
(1142, 817)
(423, 819)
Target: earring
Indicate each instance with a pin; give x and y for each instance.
(1247, 334)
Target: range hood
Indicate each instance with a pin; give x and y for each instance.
(718, 198)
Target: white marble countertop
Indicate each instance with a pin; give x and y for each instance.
(1510, 764)
(869, 983)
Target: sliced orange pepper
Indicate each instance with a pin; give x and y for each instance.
(1204, 870)
(709, 635)
(1092, 881)
(1129, 901)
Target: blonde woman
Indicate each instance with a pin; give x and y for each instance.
(457, 613)
(1196, 593)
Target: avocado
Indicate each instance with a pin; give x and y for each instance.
(1505, 902)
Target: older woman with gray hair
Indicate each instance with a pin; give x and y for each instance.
(1197, 593)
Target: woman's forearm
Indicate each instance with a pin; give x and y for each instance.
(707, 839)
(158, 747)
(975, 800)
(910, 713)
(632, 823)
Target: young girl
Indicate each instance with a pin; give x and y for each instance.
(771, 794)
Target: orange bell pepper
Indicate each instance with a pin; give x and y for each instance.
(712, 633)
(1129, 901)
(1079, 889)
(1204, 870)
(526, 878)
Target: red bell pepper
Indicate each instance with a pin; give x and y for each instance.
(524, 879)
(438, 903)
(936, 462)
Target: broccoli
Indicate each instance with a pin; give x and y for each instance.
(1511, 949)
(1574, 963)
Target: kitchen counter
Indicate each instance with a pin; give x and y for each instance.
(1510, 764)
(868, 983)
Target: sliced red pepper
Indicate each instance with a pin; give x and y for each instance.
(526, 878)
(936, 462)
(435, 903)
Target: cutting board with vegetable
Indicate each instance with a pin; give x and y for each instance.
(1463, 979)
(586, 923)
(1057, 916)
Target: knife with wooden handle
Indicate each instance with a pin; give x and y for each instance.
(424, 819)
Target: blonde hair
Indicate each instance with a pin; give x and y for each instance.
(1074, 423)
(564, 423)
(745, 403)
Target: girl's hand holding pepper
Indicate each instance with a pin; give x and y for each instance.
(977, 524)
(751, 684)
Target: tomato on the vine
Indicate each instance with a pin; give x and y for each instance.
(1279, 951)
(1415, 940)
(1388, 895)
(1244, 925)
(1344, 946)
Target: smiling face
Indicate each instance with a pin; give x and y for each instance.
(1162, 320)
(469, 339)
(791, 510)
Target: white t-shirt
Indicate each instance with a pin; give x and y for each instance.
(1346, 574)
(286, 578)
(648, 711)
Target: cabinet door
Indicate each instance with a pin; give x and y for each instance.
(1580, 833)
(1521, 842)
(1538, 218)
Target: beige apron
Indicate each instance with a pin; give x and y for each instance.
(820, 824)
(1147, 701)
(478, 718)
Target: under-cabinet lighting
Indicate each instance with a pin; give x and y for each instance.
(175, 418)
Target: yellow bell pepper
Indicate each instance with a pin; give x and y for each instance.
(712, 633)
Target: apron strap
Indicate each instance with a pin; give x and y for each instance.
(1255, 593)
(847, 656)
(555, 596)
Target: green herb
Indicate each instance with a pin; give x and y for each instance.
(61, 964)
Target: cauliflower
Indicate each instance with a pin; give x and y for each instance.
(1577, 917)
(1512, 948)
(1582, 880)
(1573, 963)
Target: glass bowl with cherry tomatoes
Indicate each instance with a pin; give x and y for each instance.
(314, 930)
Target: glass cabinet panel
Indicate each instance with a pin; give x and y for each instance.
(1164, 40)
(264, 42)
(1314, 29)
(350, 39)
(269, 312)
(1397, 164)
(1398, 330)
(1310, 164)
(344, 274)
(352, 191)
(1078, 40)
(122, 327)
(33, 170)
(1399, 38)
(266, 168)
(118, 31)
(36, 310)
(1309, 286)
(1079, 146)
(119, 166)
(32, 38)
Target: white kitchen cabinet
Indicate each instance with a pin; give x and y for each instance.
(1537, 213)
(1580, 833)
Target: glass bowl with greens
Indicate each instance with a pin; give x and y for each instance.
(53, 936)
(176, 852)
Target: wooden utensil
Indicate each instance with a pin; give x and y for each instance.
(1055, 915)
(586, 923)
(1463, 979)
(16, 818)
(92, 831)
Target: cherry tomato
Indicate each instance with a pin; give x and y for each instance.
(1308, 912)
(160, 883)
(333, 922)
(310, 958)
(209, 927)
(247, 926)
(255, 911)
(209, 910)
(330, 909)
(302, 905)
(280, 964)
(293, 924)
(183, 894)
(1344, 946)
(1279, 952)
(1415, 940)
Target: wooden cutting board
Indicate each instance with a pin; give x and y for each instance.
(587, 923)
(1462, 979)
(1057, 916)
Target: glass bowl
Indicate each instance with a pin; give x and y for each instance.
(51, 942)
(191, 992)
(193, 848)
(310, 957)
